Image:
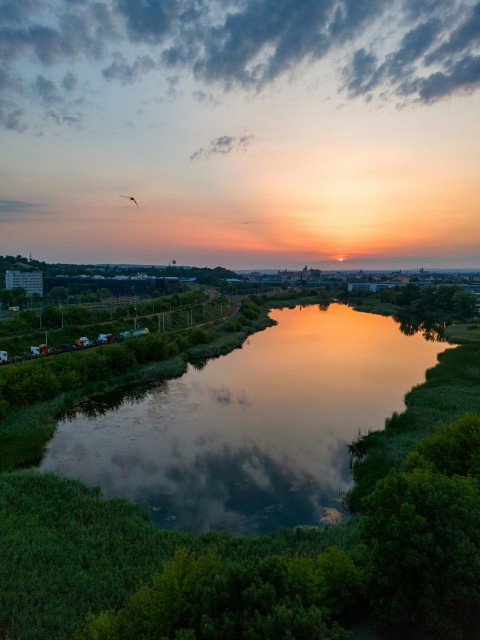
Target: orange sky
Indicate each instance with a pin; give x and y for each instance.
(297, 172)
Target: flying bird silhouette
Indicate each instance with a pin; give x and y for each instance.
(131, 198)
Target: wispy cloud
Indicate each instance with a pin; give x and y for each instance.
(223, 145)
(11, 209)
(126, 73)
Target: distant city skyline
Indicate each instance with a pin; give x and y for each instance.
(265, 135)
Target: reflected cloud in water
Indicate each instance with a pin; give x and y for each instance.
(244, 491)
(225, 396)
(255, 440)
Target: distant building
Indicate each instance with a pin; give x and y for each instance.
(31, 281)
(373, 287)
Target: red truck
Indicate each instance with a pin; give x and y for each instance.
(42, 349)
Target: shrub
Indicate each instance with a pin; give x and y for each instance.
(423, 531)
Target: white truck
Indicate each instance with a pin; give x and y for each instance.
(83, 342)
(38, 351)
(105, 337)
(3, 356)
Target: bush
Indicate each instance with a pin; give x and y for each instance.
(423, 531)
(203, 598)
(453, 448)
(200, 336)
(30, 382)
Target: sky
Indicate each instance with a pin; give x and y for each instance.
(253, 134)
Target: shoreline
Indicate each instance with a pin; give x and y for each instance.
(62, 514)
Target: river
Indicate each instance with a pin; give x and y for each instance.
(255, 440)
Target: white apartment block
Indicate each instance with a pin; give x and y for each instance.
(32, 281)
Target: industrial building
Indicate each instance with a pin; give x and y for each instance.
(31, 281)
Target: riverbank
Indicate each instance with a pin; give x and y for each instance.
(27, 426)
(451, 389)
(62, 537)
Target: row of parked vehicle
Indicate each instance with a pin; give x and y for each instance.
(82, 343)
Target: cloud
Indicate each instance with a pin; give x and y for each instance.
(223, 146)
(431, 53)
(205, 98)
(12, 120)
(46, 91)
(435, 58)
(63, 118)
(125, 73)
(464, 75)
(15, 12)
(69, 82)
(258, 42)
(9, 209)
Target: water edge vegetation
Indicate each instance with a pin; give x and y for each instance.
(68, 552)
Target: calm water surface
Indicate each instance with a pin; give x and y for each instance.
(257, 439)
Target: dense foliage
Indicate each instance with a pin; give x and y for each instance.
(66, 552)
(70, 375)
(37, 380)
(422, 528)
(450, 390)
(204, 598)
(434, 299)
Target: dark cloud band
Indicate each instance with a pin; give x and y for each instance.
(235, 44)
(12, 209)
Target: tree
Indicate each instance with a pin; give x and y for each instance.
(13, 296)
(77, 315)
(464, 303)
(343, 584)
(423, 530)
(104, 293)
(58, 293)
(389, 295)
(52, 318)
(30, 318)
(203, 598)
(409, 293)
(453, 448)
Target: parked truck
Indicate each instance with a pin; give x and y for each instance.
(105, 337)
(42, 349)
(134, 332)
(83, 342)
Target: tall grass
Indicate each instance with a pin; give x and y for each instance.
(66, 551)
(25, 431)
(451, 389)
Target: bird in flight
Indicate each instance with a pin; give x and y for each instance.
(131, 198)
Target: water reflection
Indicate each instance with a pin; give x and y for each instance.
(101, 404)
(254, 440)
(429, 329)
